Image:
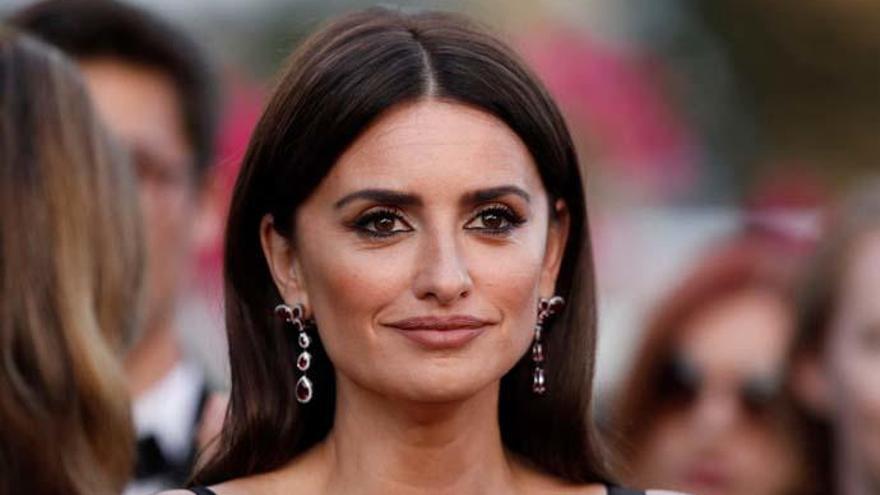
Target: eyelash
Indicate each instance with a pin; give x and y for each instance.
(507, 214)
(362, 223)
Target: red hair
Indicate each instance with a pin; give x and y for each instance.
(748, 262)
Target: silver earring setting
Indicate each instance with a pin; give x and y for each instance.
(296, 317)
(547, 308)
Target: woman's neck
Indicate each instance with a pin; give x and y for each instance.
(378, 446)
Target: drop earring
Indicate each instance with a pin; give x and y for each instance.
(547, 308)
(296, 317)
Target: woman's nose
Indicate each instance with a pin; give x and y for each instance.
(715, 412)
(442, 273)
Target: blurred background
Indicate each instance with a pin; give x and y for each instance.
(714, 135)
(692, 118)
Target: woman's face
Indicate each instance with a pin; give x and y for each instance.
(852, 360)
(423, 253)
(717, 433)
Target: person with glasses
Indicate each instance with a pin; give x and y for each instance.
(703, 409)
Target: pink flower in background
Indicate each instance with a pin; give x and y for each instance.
(616, 98)
(241, 110)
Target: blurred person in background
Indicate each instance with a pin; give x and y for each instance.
(71, 266)
(154, 89)
(835, 373)
(702, 410)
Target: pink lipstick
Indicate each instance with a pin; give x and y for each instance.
(440, 332)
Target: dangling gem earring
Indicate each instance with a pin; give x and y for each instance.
(296, 317)
(547, 308)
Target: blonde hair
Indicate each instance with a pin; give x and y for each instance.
(70, 280)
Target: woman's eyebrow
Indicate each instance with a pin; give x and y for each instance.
(484, 195)
(388, 196)
(385, 196)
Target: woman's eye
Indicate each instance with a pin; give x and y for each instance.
(382, 224)
(494, 220)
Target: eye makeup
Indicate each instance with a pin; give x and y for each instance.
(381, 222)
(386, 218)
(495, 219)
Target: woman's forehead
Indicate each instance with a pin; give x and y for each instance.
(436, 143)
(744, 331)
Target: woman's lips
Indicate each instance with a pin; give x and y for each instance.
(708, 477)
(441, 332)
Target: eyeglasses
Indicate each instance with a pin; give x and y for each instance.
(682, 382)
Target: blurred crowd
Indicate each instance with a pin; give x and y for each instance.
(730, 151)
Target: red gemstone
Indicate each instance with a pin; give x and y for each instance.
(303, 361)
(303, 390)
(283, 311)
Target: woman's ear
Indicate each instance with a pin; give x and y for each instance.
(557, 239)
(283, 263)
(810, 384)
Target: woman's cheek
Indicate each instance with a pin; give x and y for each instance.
(509, 278)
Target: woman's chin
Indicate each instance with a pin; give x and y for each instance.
(439, 388)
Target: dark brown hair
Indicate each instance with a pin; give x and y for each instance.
(89, 29)
(855, 217)
(337, 83)
(70, 278)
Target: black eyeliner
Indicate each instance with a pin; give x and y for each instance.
(360, 224)
(507, 213)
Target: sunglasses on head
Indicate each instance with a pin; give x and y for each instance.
(682, 382)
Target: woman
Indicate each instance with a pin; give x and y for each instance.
(835, 372)
(70, 271)
(409, 196)
(703, 411)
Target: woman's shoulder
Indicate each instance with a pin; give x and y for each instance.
(532, 480)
